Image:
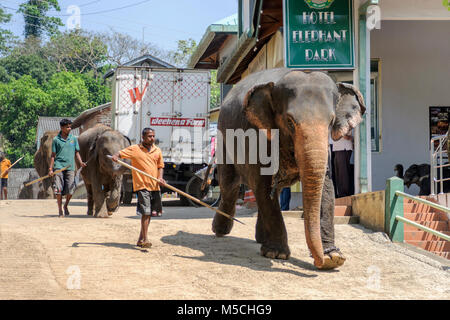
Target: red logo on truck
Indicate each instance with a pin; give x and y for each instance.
(136, 95)
(177, 122)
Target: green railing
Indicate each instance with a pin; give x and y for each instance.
(394, 218)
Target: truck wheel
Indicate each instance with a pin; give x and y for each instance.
(127, 197)
(210, 195)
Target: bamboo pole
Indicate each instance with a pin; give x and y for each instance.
(45, 177)
(178, 191)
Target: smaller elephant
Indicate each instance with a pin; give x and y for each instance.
(31, 191)
(42, 163)
(102, 177)
(420, 175)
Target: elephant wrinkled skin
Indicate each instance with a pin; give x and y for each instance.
(42, 163)
(102, 177)
(306, 108)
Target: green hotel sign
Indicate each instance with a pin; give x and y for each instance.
(319, 34)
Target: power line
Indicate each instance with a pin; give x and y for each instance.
(100, 23)
(103, 11)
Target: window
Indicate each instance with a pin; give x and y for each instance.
(375, 115)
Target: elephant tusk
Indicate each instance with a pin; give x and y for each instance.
(177, 190)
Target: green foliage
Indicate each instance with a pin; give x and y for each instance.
(98, 93)
(20, 63)
(183, 52)
(21, 102)
(68, 95)
(6, 36)
(37, 22)
(215, 91)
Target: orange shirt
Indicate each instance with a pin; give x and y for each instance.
(147, 161)
(4, 165)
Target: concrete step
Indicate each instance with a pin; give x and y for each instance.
(417, 207)
(342, 211)
(337, 219)
(435, 225)
(344, 201)
(422, 236)
(440, 246)
(425, 216)
(445, 255)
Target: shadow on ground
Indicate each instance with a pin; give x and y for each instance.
(109, 245)
(235, 251)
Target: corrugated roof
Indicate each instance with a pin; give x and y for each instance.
(51, 124)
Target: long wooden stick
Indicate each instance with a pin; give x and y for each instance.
(13, 165)
(45, 177)
(178, 191)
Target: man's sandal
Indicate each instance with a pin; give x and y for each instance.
(144, 244)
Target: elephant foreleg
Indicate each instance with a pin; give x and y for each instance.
(229, 189)
(259, 234)
(99, 200)
(113, 199)
(90, 199)
(332, 255)
(271, 230)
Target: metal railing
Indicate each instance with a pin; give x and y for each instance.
(418, 225)
(437, 162)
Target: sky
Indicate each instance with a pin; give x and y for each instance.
(161, 22)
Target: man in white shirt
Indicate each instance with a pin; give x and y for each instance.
(342, 150)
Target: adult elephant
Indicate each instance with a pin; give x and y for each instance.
(304, 107)
(102, 177)
(42, 163)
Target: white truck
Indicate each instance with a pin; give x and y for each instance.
(174, 102)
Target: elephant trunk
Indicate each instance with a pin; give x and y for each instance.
(311, 153)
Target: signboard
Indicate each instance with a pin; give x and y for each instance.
(319, 34)
(439, 122)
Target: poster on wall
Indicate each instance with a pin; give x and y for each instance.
(319, 34)
(439, 121)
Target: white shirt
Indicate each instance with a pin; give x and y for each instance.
(342, 144)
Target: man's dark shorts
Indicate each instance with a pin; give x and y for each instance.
(4, 183)
(64, 182)
(148, 201)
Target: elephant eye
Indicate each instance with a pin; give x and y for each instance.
(290, 123)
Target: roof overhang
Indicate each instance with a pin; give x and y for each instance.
(206, 54)
(267, 20)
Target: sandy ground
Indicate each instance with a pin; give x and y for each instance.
(79, 257)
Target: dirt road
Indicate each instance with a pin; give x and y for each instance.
(79, 257)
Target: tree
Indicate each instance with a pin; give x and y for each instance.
(36, 20)
(68, 95)
(98, 92)
(27, 59)
(181, 55)
(123, 48)
(6, 36)
(77, 51)
(215, 91)
(21, 102)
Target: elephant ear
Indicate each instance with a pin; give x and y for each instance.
(258, 107)
(346, 88)
(349, 110)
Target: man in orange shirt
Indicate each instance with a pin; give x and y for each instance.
(146, 157)
(5, 164)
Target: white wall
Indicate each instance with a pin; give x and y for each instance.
(415, 62)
